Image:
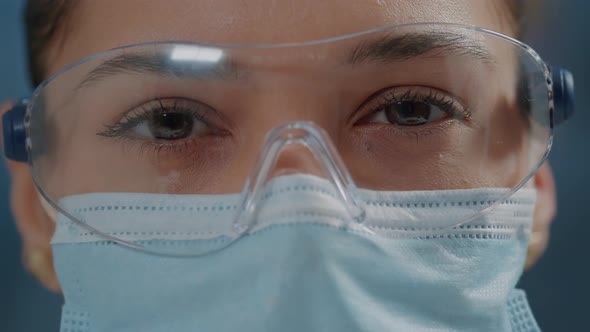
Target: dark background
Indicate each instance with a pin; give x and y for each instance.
(558, 287)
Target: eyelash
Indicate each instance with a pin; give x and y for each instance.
(434, 97)
(136, 116)
(383, 99)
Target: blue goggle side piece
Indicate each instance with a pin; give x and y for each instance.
(15, 132)
(563, 95)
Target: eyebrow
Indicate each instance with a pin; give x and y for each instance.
(386, 49)
(399, 48)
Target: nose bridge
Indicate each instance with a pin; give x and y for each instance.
(299, 147)
(288, 97)
(302, 147)
(296, 157)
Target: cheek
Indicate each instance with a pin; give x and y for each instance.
(432, 160)
(91, 166)
(451, 157)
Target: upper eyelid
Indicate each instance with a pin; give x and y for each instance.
(443, 97)
(368, 107)
(140, 113)
(413, 93)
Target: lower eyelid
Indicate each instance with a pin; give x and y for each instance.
(435, 131)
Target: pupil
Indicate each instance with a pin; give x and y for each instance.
(171, 125)
(409, 113)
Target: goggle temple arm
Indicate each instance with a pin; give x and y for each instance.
(562, 95)
(14, 132)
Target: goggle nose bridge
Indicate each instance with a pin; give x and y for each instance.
(314, 139)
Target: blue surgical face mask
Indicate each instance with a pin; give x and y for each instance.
(302, 266)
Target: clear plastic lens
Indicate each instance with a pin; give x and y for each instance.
(412, 108)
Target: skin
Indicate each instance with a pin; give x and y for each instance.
(97, 26)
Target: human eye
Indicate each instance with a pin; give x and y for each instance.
(413, 107)
(166, 122)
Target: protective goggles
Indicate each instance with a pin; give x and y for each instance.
(412, 107)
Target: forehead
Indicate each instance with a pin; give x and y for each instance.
(95, 26)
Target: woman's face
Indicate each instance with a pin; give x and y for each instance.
(277, 91)
(96, 26)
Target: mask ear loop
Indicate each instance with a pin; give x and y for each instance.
(50, 211)
(317, 141)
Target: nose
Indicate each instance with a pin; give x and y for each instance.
(302, 148)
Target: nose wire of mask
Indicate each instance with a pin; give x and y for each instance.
(50, 211)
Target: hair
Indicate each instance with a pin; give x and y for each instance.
(45, 22)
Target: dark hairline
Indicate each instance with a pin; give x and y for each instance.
(44, 21)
